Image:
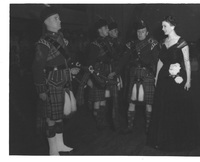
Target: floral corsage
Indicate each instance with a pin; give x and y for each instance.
(174, 71)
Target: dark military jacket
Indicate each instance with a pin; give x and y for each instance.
(100, 51)
(119, 55)
(118, 47)
(46, 55)
(145, 53)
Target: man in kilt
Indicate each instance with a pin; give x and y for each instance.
(52, 79)
(119, 58)
(142, 73)
(100, 55)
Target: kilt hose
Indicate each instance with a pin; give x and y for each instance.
(114, 93)
(146, 79)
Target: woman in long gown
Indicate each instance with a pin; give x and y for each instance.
(173, 126)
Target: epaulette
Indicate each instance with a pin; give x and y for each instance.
(181, 43)
(43, 41)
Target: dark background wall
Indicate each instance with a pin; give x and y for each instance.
(187, 15)
(25, 17)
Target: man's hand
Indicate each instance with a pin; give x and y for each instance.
(111, 75)
(74, 71)
(43, 96)
(128, 45)
(90, 83)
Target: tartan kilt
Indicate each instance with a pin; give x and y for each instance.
(57, 82)
(147, 82)
(97, 93)
(52, 108)
(55, 104)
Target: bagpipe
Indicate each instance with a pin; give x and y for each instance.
(98, 76)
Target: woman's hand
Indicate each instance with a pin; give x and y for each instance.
(187, 85)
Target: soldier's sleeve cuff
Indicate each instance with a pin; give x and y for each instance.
(40, 88)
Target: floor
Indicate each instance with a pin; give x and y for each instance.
(80, 131)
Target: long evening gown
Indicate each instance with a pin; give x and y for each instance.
(173, 125)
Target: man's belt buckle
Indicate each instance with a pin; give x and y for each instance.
(55, 68)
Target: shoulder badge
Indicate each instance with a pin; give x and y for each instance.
(43, 41)
(181, 43)
(153, 42)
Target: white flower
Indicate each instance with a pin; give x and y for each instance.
(174, 69)
(178, 79)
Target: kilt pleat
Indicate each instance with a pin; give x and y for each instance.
(55, 103)
(149, 89)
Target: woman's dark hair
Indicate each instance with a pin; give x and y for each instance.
(171, 20)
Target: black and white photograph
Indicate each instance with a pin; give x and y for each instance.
(104, 79)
